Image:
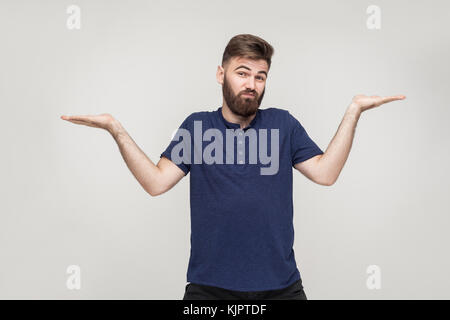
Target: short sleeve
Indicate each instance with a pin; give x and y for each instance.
(302, 146)
(183, 165)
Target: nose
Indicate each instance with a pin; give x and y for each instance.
(250, 85)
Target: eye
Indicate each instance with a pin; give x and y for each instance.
(243, 73)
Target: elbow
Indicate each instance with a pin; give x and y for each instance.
(327, 182)
(153, 192)
(330, 182)
(157, 191)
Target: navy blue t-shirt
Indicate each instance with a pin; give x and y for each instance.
(242, 232)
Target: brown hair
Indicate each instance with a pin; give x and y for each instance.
(248, 46)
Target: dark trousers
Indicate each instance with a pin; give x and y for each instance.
(201, 292)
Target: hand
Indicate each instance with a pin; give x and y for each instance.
(103, 121)
(363, 103)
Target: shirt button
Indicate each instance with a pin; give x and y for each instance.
(240, 141)
(240, 152)
(240, 133)
(241, 162)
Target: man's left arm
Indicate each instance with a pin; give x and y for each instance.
(325, 169)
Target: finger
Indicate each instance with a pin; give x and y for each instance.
(79, 122)
(78, 117)
(81, 119)
(392, 98)
(67, 117)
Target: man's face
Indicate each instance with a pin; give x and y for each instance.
(244, 76)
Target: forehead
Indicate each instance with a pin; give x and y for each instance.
(255, 65)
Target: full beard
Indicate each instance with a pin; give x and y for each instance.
(241, 105)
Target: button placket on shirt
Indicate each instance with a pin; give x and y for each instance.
(240, 147)
(240, 154)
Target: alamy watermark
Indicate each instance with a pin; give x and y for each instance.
(74, 20)
(373, 22)
(374, 279)
(73, 282)
(258, 147)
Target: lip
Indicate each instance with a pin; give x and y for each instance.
(248, 94)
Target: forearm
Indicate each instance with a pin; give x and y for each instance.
(143, 169)
(335, 156)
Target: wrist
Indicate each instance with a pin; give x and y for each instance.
(354, 110)
(114, 128)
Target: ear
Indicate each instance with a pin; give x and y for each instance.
(220, 74)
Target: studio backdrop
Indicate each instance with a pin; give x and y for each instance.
(75, 223)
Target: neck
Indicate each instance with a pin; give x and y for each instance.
(235, 118)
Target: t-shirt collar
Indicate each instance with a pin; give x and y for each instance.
(232, 125)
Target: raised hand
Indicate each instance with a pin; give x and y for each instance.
(103, 121)
(364, 103)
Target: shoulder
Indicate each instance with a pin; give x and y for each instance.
(201, 115)
(195, 116)
(280, 112)
(279, 115)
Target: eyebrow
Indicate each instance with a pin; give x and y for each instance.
(245, 67)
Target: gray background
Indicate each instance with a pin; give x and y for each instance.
(68, 198)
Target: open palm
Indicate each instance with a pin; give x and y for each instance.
(368, 102)
(102, 121)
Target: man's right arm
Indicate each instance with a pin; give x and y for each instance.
(155, 179)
